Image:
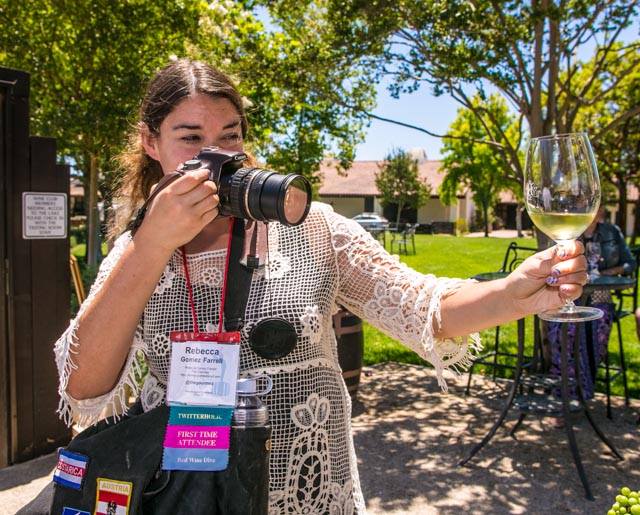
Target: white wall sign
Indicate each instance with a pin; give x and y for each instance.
(44, 215)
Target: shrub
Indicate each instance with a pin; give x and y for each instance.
(461, 226)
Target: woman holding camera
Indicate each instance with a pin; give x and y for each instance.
(140, 295)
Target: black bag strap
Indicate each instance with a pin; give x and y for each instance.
(239, 283)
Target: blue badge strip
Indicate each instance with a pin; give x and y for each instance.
(197, 438)
(195, 459)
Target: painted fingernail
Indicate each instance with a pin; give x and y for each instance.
(555, 272)
(552, 280)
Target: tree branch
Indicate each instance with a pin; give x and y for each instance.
(621, 119)
(552, 113)
(525, 85)
(604, 51)
(508, 153)
(535, 114)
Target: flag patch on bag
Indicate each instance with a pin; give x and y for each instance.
(74, 511)
(113, 497)
(70, 469)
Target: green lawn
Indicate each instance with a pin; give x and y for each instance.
(451, 256)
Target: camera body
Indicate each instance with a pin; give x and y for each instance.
(253, 193)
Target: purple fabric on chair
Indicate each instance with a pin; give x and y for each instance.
(601, 332)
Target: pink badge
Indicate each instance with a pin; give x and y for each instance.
(197, 437)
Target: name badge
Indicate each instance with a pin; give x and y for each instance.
(204, 369)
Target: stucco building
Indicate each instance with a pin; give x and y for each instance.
(354, 191)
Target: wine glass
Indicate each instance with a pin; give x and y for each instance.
(562, 196)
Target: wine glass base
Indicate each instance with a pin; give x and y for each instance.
(572, 314)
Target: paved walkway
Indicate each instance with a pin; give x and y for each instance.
(501, 233)
(409, 438)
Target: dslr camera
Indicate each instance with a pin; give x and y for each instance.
(253, 193)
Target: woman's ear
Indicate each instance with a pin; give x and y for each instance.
(149, 142)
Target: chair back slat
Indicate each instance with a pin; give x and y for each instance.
(633, 293)
(514, 256)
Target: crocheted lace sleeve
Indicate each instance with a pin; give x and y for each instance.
(403, 303)
(89, 411)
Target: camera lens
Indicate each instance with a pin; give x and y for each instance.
(285, 198)
(268, 196)
(296, 200)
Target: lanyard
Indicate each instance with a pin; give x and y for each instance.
(185, 267)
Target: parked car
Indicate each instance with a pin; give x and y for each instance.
(372, 221)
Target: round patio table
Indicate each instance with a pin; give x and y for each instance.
(529, 401)
(609, 282)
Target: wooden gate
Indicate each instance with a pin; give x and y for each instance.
(35, 285)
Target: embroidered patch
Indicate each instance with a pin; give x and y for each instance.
(74, 511)
(113, 497)
(70, 469)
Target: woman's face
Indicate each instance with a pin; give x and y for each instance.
(196, 122)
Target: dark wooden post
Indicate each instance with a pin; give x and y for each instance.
(14, 159)
(36, 283)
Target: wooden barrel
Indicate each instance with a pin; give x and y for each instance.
(348, 330)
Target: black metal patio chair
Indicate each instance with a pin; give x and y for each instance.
(620, 369)
(514, 255)
(404, 238)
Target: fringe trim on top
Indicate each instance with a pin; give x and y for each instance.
(87, 412)
(467, 350)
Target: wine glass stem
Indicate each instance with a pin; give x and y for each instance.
(569, 306)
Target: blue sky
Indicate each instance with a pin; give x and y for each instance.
(420, 108)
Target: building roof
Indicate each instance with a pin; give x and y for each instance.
(360, 179)
(76, 189)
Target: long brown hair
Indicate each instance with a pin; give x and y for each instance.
(179, 79)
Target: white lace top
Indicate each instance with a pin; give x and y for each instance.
(327, 261)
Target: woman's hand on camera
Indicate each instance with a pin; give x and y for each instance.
(549, 278)
(181, 210)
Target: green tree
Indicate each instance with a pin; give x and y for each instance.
(617, 145)
(475, 165)
(292, 76)
(89, 60)
(399, 183)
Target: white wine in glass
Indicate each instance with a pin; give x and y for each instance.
(562, 196)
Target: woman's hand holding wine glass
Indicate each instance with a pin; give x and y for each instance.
(562, 196)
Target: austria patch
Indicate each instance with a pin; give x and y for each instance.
(70, 469)
(113, 497)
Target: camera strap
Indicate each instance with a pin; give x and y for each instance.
(271, 337)
(162, 184)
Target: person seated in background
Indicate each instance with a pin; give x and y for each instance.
(607, 253)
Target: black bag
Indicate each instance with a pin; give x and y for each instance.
(130, 450)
